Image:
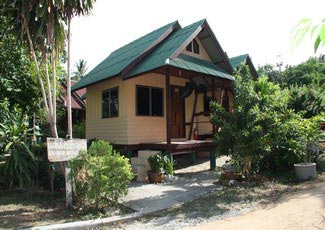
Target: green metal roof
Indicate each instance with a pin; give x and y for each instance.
(198, 65)
(238, 60)
(154, 50)
(157, 58)
(117, 61)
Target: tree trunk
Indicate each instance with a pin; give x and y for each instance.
(55, 131)
(45, 100)
(69, 86)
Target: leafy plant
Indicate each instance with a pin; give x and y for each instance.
(317, 32)
(157, 163)
(19, 163)
(307, 101)
(100, 175)
(169, 165)
(310, 135)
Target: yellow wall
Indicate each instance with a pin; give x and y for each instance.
(128, 128)
(112, 129)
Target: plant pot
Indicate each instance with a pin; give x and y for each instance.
(154, 177)
(305, 171)
(169, 178)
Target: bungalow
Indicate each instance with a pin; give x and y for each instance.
(154, 92)
(245, 59)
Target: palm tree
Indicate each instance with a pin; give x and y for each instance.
(41, 26)
(73, 8)
(81, 69)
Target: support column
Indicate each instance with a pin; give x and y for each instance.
(168, 110)
(213, 159)
(213, 91)
(192, 157)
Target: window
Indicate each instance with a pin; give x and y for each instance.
(193, 47)
(196, 48)
(110, 105)
(189, 47)
(149, 101)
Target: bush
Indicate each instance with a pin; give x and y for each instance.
(79, 130)
(100, 175)
(307, 101)
(19, 166)
(262, 133)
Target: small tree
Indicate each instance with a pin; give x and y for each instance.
(241, 133)
(101, 175)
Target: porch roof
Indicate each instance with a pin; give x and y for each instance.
(198, 65)
(238, 60)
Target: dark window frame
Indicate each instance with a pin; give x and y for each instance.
(150, 101)
(193, 47)
(196, 47)
(189, 47)
(109, 91)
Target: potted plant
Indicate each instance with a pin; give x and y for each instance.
(310, 137)
(157, 165)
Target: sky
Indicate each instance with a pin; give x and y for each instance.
(262, 28)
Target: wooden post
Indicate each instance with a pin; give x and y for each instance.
(192, 119)
(213, 155)
(192, 157)
(168, 110)
(213, 89)
(68, 186)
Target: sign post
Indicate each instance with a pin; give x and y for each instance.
(62, 150)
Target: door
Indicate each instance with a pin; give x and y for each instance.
(177, 112)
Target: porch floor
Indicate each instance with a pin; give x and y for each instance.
(180, 146)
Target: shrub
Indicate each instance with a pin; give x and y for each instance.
(307, 101)
(101, 175)
(79, 130)
(262, 133)
(19, 166)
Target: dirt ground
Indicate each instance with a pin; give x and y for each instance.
(302, 210)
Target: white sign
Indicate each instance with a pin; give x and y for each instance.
(59, 149)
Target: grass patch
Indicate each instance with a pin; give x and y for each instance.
(22, 210)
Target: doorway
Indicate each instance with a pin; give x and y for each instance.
(177, 112)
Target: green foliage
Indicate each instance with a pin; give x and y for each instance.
(79, 130)
(311, 134)
(101, 175)
(169, 165)
(17, 78)
(157, 163)
(306, 101)
(81, 69)
(316, 31)
(262, 132)
(19, 163)
(310, 72)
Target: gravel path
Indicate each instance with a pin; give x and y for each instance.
(303, 210)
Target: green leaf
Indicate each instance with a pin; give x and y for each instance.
(8, 146)
(316, 44)
(322, 33)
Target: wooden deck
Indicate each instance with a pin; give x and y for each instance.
(180, 146)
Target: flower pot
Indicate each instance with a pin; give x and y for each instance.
(305, 171)
(169, 178)
(154, 177)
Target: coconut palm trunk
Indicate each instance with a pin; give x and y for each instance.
(69, 84)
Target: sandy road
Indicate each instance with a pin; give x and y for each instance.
(302, 210)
